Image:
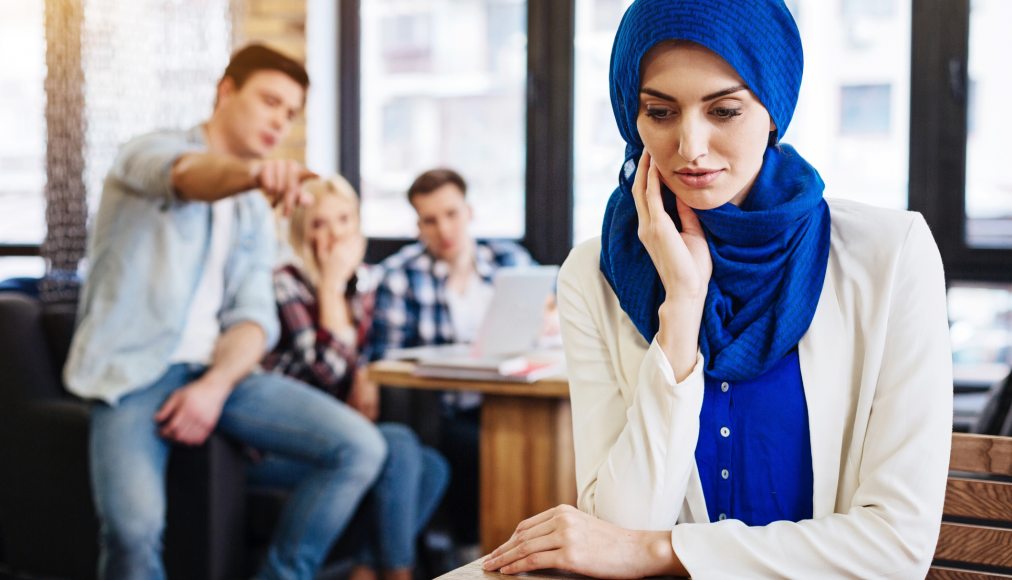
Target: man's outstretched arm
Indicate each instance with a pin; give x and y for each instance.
(213, 176)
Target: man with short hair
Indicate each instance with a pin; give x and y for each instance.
(175, 314)
(434, 292)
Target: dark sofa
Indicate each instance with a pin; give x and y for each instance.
(48, 525)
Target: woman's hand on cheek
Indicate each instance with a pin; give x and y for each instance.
(682, 258)
(565, 538)
(683, 263)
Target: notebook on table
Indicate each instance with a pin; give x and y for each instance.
(506, 337)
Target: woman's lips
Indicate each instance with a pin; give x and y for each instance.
(699, 177)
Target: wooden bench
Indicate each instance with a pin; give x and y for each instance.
(976, 536)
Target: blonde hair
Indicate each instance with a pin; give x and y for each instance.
(298, 239)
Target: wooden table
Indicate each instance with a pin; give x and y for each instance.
(526, 445)
(474, 571)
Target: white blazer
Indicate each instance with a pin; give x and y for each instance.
(877, 369)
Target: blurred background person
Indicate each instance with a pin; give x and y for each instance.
(325, 303)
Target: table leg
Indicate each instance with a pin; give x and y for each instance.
(526, 462)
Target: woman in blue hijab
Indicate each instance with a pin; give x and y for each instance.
(760, 378)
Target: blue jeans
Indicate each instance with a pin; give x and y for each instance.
(400, 503)
(342, 453)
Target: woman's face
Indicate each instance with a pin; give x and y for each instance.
(704, 129)
(331, 221)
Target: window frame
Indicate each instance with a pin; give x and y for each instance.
(20, 250)
(548, 214)
(939, 55)
(940, 38)
(940, 32)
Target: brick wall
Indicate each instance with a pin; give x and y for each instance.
(280, 24)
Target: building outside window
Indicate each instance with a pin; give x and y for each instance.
(148, 64)
(443, 83)
(23, 139)
(853, 116)
(598, 149)
(988, 167)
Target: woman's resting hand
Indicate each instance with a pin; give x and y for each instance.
(565, 538)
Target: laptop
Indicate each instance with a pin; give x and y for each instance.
(511, 324)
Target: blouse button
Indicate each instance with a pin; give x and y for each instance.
(724, 432)
(724, 387)
(725, 473)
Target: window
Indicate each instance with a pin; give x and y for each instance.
(598, 149)
(443, 83)
(22, 116)
(863, 118)
(23, 139)
(146, 65)
(406, 42)
(322, 133)
(988, 185)
(853, 115)
(981, 324)
(981, 331)
(963, 191)
(865, 110)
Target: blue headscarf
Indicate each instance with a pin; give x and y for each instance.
(770, 254)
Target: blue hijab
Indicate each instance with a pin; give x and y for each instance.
(770, 254)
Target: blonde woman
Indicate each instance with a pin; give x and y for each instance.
(325, 306)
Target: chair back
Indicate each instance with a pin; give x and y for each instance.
(996, 418)
(976, 535)
(28, 371)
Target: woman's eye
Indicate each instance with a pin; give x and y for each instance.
(726, 113)
(659, 112)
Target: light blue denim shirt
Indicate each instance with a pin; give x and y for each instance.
(146, 252)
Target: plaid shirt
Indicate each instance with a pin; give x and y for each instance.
(411, 307)
(309, 352)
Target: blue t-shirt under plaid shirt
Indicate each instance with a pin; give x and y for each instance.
(754, 452)
(411, 307)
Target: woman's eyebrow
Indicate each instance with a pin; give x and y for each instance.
(710, 97)
(724, 93)
(658, 94)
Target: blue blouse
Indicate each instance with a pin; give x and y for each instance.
(754, 453)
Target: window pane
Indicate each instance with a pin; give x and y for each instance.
(148, 65)
(444, 84)
(598, 149)
(988, 171)
(852, 120)
(22, 116)
(853, 116)
(18, 267)
(980, 319)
